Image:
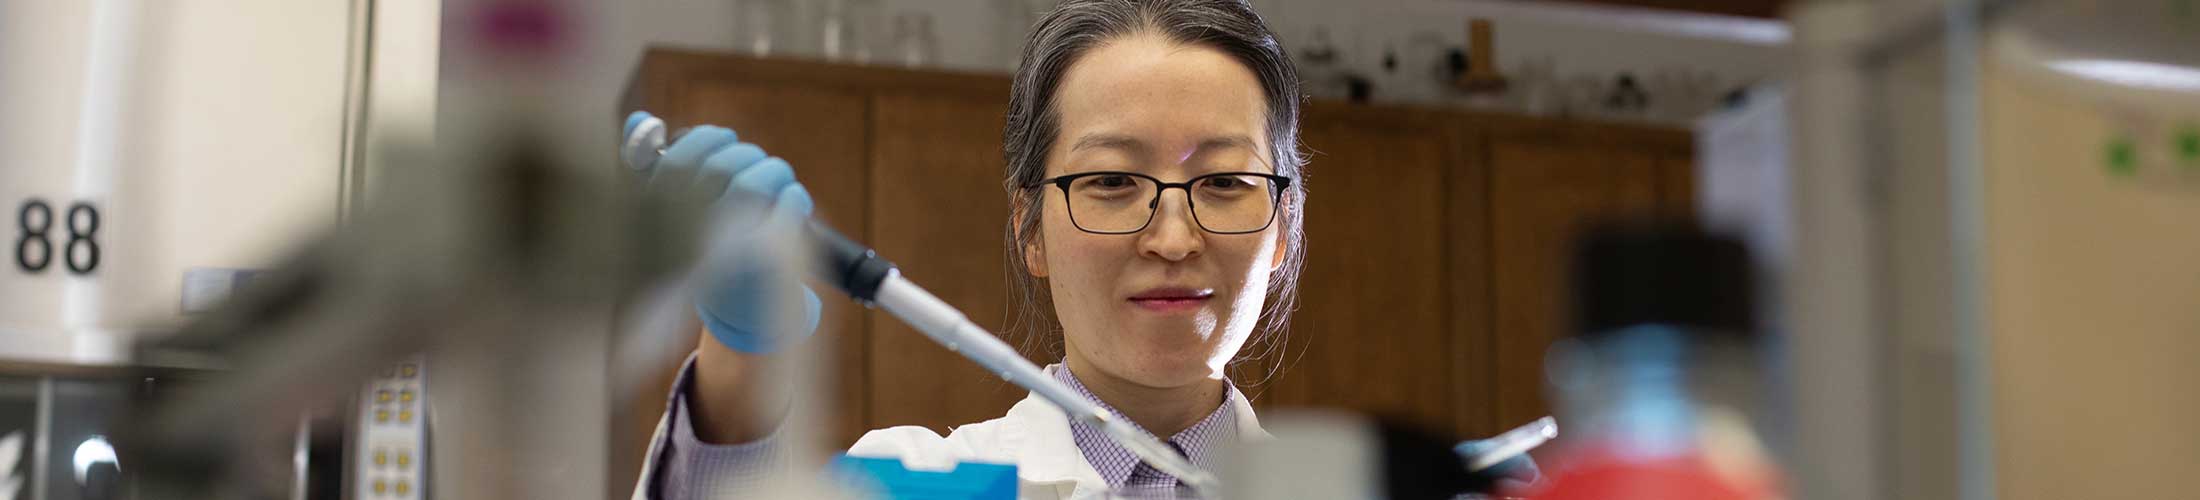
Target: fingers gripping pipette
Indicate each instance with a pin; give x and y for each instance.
(867, 277)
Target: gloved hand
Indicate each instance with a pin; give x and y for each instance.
(1513, 474)
(736, 301)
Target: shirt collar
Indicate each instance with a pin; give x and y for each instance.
(1115, 463)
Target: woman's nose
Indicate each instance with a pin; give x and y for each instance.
(1174, 234)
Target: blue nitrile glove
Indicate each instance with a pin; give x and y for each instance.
(1510, 475)
(735, 303)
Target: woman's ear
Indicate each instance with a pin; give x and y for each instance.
(1035, 257)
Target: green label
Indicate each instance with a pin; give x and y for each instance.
(2188, 146)
(2122, 156)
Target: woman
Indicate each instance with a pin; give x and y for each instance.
(1156, 192)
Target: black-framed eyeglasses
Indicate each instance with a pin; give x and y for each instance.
(1124, 202)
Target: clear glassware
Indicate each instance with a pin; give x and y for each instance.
(1319, 64)
(915, 44)
(1423, 72)
(1012, 23)
(759, 26)
(1582, 96)
(848, 30)
(1681, 94)
(1536, 87)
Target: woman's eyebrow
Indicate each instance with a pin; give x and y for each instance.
(1111, 141)
(1136, 146)
(1223, 143)
(1227, 140)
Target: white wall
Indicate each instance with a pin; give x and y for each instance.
(1600, 42)
(1578, 40)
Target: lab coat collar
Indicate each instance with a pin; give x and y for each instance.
(1038, 432)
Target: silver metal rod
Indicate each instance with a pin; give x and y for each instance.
(300, 442)
(1967, 250)
(42, 443)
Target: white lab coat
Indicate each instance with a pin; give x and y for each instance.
(1034, 435)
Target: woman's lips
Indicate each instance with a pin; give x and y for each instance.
(1172, 299)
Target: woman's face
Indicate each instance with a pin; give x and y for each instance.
(1171, 304)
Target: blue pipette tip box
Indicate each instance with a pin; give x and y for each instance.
(888, 478)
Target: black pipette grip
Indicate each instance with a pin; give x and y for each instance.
(846, 264)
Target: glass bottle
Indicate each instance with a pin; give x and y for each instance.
(915, 44)
(1013, 21)
(758, 26)
(848, 30)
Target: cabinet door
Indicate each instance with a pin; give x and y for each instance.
(1542, 195)
(1372, 332)
(937, 209)
(1677, 185)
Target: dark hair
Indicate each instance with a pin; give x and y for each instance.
(1077, 26)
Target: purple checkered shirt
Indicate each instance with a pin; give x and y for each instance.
(1131, 477)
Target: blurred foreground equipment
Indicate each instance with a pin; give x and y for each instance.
(501, 264)
(1659, 380)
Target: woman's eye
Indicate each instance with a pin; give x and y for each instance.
(1228, 183)
(1107, 185)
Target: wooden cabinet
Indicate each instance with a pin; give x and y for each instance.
(1373, 332)
(1541, 195)
(1437, 239)
(939, 211)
